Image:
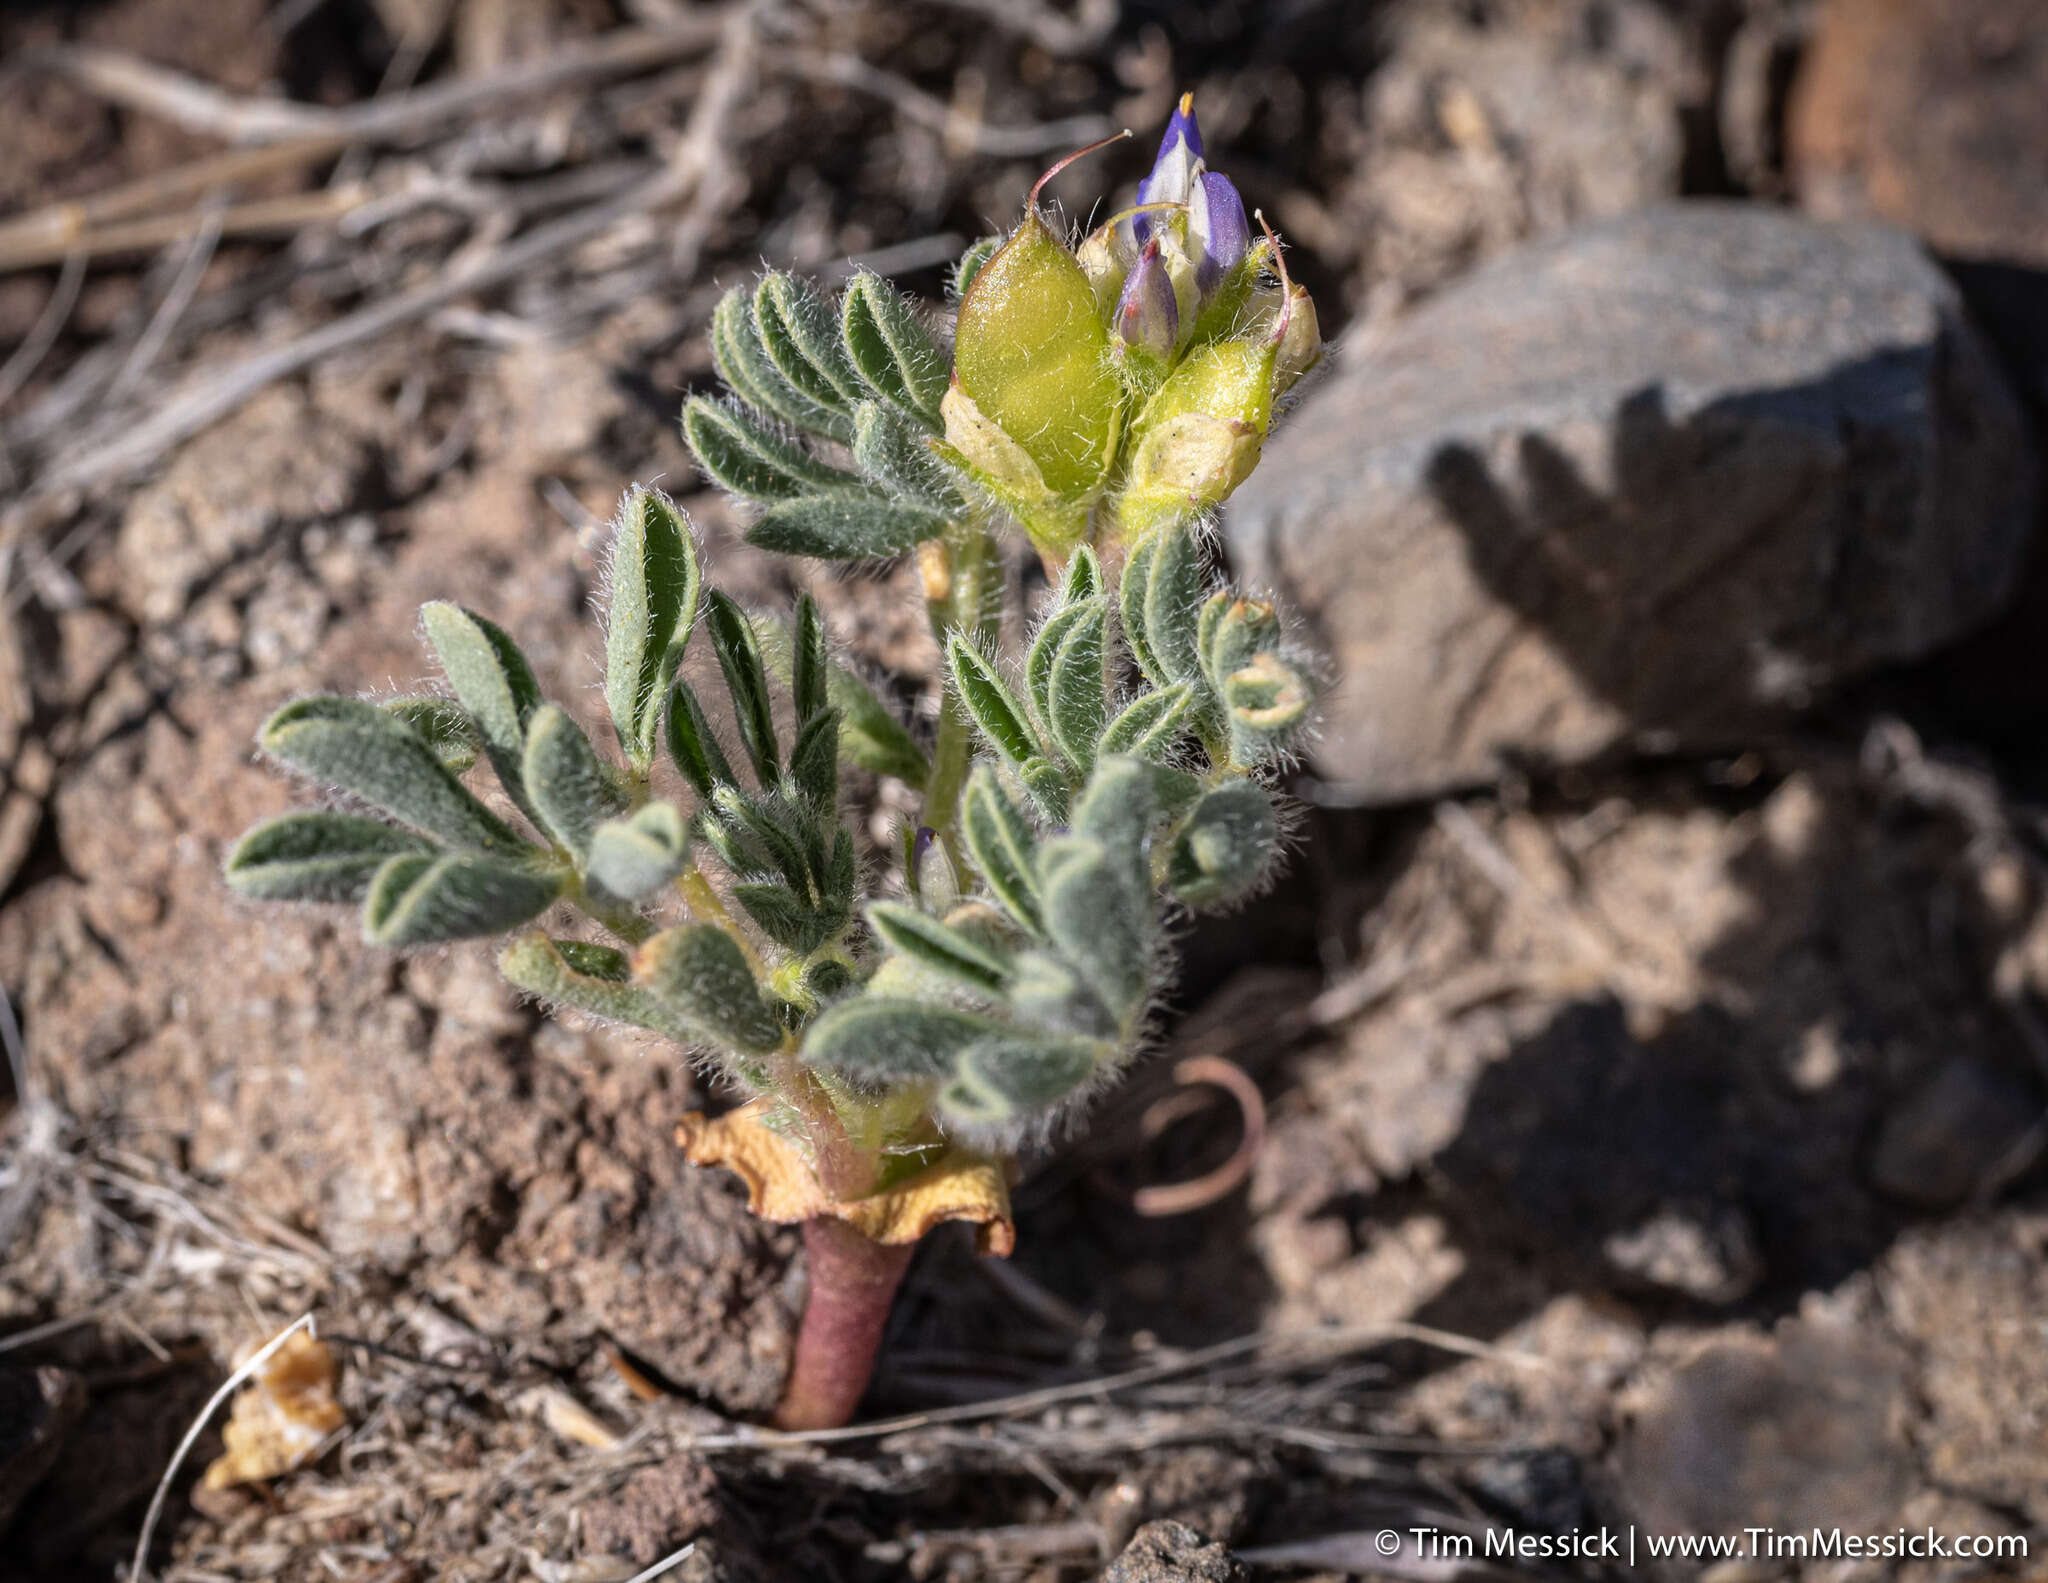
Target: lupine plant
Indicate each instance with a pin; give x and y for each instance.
(900, 1028)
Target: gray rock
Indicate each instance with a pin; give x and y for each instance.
(1171, 1552)
(1799, 1429)
(1653, 484)
(1945, 1136)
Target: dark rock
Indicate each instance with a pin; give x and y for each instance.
(1932, 114)
(1171, 1552)
(1543, 1489)
(1944, 1137)
(1657, 483)
(37, 1408)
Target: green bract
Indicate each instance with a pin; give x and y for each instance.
(694, 872)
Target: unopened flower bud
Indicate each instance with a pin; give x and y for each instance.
(1173, 169)
(1147, 315)
(1219, 236)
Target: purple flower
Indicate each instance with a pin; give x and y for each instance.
(1218, 233)
(1147, 314)
(1173, 172)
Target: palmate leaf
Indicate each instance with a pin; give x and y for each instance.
(744, 454)
(368, 753)
(700, 975)
(1065, 672)
(655, 584)
(844, 528)
(591, 978)
(894, 354)
(316, 856)
(420, 898)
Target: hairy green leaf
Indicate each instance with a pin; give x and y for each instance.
(894, 451)
(1003, 846)
(844, 528)
(1174, 591)
(743, 363)
(1047, 784)
(1131, 609)
(1148, 726)
(490, 676)
(654, 590)
(315, 856)
(800, 334)
(936, 945)
(1075, 704)
(567, 781)
(989, 700)
(1005, 1075)
(635, 855)
(444, 725)
(741, 453)
(787, 919)
(1048, 993)
(808, 669)
(591, 978)
(977, 254)
(1083, 580)
(814, 761)
(746, 678)
(1226, 847)
(366, 752)
(701, 975)
(420, 899)
(895, 355)
(769, 829)
(692, 745)
(881, 1038)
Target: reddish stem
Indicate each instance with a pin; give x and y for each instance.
(853, 1282)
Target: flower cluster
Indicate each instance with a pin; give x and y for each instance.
(1137, 374)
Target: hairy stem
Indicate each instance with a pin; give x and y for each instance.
(853, 1282)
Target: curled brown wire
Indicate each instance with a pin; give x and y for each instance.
(1213, 1071)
